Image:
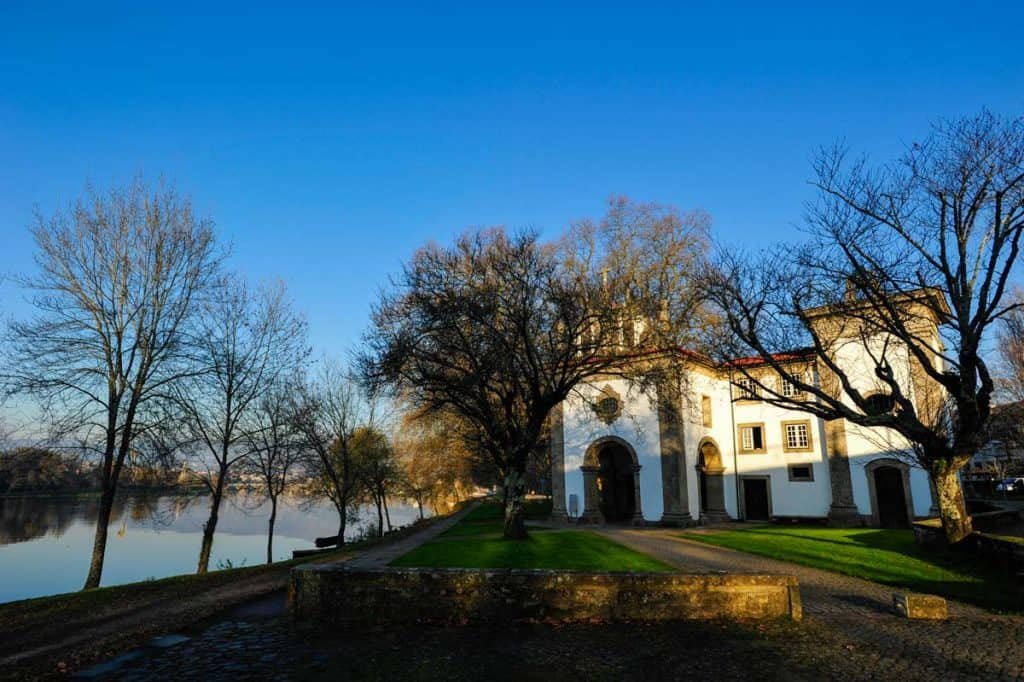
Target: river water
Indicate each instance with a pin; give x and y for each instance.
(46, 542)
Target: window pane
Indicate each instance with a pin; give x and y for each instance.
(796, 436)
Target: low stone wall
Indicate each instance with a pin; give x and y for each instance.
(1004, 552)
(326, 594)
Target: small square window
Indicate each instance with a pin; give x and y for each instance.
(789, 389)
(801, 472)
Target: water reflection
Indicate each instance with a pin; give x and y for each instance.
(45, 542)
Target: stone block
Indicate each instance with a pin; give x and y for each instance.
(919, 606)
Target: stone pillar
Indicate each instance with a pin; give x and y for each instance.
(715, 482)
(673, 458)
(843, 512)
(638, 514)
(591, 509)
(556, 446)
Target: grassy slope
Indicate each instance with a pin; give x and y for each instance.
(889, 557)
(476, 542)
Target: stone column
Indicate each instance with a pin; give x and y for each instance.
(715, 482)
(638, 514)
(591, 510)
(556, 446)
(843, 512)
(673, 471)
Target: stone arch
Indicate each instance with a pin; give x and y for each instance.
(711, 481)
(875, 470)
(709, 455)
(590, 457)
(592, 471)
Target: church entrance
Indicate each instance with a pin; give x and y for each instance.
(892, 502)
(616, 483)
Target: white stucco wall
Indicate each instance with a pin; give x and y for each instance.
(638, 426)
(788, 498)
(865, 445)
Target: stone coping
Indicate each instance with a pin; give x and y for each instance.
(340, 595)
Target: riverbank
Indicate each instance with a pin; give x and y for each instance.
(61, 633)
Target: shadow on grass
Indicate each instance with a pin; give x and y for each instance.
(888, 557)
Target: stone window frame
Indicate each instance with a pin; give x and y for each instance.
(785, 435)
(764, 438)
(810, 469)
(746, 389)
(790, 390)
(705, 411)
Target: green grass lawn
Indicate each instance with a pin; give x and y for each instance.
(889, 557)
(476, 542)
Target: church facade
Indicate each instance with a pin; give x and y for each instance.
(706, 448)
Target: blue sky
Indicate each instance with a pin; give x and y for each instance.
(327, 142)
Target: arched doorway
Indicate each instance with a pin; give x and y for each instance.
(711, 483)
(889, 487)
(611, 486)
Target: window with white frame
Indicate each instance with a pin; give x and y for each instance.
(790, 389)
(746, 389)
(752, 438)
(797, 435)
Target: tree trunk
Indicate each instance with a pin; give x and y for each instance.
(515, 521)
(956, 522)
(419, 503)
(210, 527)
(342, 522)
(99, 545)
(380, 517)
(387, 514)
(270, 530)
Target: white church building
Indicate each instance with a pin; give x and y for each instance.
(717, 451)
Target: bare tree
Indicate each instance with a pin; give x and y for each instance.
(907, 266)
(248, 341)
(1010, 378)
(119, 275)
(274, 447)
(499, 329)
(332, 408)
